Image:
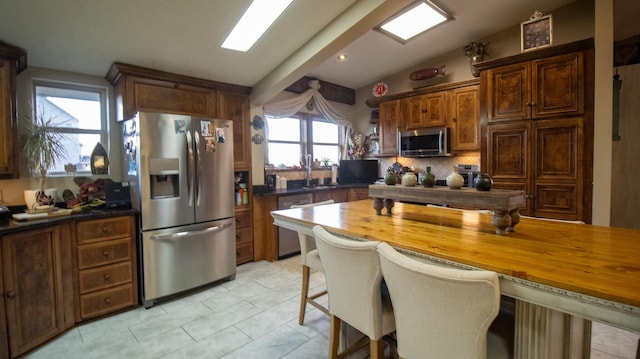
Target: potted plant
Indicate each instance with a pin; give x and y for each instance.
(475, 51)
(41, 149)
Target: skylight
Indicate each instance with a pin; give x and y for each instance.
(414, 20)
(253, 23)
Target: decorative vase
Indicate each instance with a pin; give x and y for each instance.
(455, 180)
(483, 182)
(390, 178)
(473, 60)
(33, 198)
(409, 179)
(429, 180)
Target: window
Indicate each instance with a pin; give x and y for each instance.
(290, 139)
(79, 113)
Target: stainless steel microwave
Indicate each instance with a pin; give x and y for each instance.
(427, 142)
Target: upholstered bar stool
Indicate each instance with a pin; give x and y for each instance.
(440, 312)
(310, 261)
(356, 296)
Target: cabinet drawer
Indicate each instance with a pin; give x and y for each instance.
(102, 253)
(243, 220)
(106, 301)
(104, 277)
(244, 235)
(244, 253)
(103, 229)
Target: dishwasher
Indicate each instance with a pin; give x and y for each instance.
(288, 243)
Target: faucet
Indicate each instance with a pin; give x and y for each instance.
(308, 177)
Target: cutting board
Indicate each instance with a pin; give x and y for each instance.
(45, 215)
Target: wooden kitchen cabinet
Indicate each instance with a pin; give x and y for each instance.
(356, 194)
(540, 88)
(235, 107)
(537, 118)
(424, 111)
(337, 195)
(106, 266)
(37, 286)
(244, 236)
(464, 118)
(389, 116)
(12, 61)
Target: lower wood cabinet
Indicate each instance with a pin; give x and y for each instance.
(356, 194)
(244, 236)
(106, 260)
(37, 287)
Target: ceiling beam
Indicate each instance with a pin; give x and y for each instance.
(350, 25)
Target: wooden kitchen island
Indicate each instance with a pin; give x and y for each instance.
(561, 275)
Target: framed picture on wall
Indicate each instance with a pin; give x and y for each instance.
(536, 32)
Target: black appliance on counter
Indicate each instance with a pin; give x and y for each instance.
(469, 172)
(357, 171)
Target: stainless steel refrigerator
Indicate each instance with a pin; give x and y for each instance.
(180, 170)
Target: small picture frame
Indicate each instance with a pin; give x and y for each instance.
(536, 32)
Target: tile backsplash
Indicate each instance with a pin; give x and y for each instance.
(441, 167)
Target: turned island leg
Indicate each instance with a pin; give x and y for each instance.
(377, 205)
(502, 220)
(515, 219)
(388, 204)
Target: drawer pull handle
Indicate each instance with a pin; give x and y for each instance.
(107, 300)
(105, 253)
(105, 230)
(11, 295)
(106, 276)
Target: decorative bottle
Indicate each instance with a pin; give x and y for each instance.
(429, 180)
(455, 180)
(409, 179)
(483, 182)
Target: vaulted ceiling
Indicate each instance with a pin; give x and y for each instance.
(185, 36)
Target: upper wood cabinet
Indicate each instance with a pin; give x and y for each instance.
(12, 61)
(389, 116)
(464, 118)
(424, 111)
(540, 88)
(236, 107)
(143, 89)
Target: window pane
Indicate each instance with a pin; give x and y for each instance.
(284, 154)
(79, 148)
(69, 108)
(321, 152)
(284, 129)
(325, 132)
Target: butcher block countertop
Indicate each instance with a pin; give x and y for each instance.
(600, 262)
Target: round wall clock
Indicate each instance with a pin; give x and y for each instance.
(380, 89)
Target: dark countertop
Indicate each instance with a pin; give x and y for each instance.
(11, 225)
(294, 188)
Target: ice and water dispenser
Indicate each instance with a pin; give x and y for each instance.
(164, 177)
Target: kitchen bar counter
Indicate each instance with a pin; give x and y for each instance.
(296, 189)
(588, 271)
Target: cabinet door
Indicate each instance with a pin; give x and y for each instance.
(389, 116)
(425, 111)
(8, 133)
(465, 118)
(4, 341)
(508, 158)
(558, 169)
(558, 85)
(356, 194)
(508, 92)
(235, 107)
(33, 287)
(338, 195)
(160, 96)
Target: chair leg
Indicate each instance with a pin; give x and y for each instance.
(376, 349)
(304, 293)
(334, 336)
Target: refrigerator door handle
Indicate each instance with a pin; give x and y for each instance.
(196, 137)
(190, 169)
(180, 235)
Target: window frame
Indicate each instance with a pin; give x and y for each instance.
(306, 134)
(103, 132)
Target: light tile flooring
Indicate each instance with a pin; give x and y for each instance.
(253, 316)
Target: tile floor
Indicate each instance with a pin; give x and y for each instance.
(253, 316)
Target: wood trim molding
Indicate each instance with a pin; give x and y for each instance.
(14, 53)
(375, 102)
(119, 69)
(328, 90)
